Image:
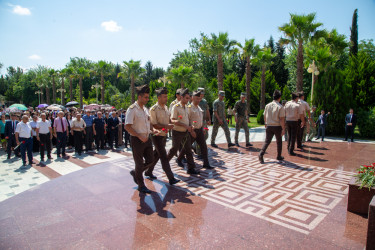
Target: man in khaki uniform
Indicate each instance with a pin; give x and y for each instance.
(274, 118)
(301, 136)
(137, 123)
(206, 119)
(242, 119)
(161, 122)
(195, 118)
(293, 112)
(181, 130)
(174, 102)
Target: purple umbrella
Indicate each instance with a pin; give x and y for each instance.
(42, 105)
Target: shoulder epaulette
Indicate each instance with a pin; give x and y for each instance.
(177, 105)
(132, 106)
(189, 106)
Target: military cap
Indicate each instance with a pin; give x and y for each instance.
(201, 90)
(222, 93)
(197, 93)
(144, 89)
(178, 91)
(161, 91)
(184, 92)
(243, 94)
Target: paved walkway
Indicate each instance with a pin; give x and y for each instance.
(15, 179)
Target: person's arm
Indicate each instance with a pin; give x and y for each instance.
(282, 122)
(37, 133)
(17, 141)
(93, 128)
(208, 116)
(50, 132)
(132, 132)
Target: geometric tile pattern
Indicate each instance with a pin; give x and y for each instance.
(297, 197)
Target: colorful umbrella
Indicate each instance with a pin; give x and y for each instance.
(42, 105)
(18, 106)
(72, 103)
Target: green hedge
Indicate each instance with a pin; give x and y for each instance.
(260, 117)
(366, 122)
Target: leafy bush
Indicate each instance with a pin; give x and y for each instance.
(366, 122)
(260, 117)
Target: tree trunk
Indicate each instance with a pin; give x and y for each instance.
(220, 77)
(53, 89)
(71, 89)
(300, 67)
(248, 80)
(182, 84)
(132, 80)
(63, 93)
(263, 89)
(102, 82)
(80, 93)
(48, 96)
(42, 96)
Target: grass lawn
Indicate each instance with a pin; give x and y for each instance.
(253, 123)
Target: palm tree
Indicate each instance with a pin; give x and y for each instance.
(69, 72)
(218, 46)
(133, 70)
(300, 30)
(52, 73)
(249, 50)
(264, 60)
(81, 73)
(63, 73)
(182, 75)
(104, 69)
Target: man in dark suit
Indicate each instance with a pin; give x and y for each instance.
(10, 135)
(113, 123)
(350, 123)
(322, 123)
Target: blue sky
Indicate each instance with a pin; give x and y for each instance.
(50, 32)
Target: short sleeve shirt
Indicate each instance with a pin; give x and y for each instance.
(219, 107)
(99, 123)
(159, 114)
(273, 112)
(203, 104)
(33, 126)
(240, 108)
(293, 111)
(305, 106)
(174, 102)
(23, 130)
(78, 124)
(43, 126)
(195, 116)
(180, 113)
(139, 118)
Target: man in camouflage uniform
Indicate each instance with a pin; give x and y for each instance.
(241, 118)
(220, 120)
(312, 124)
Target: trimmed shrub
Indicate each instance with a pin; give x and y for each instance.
(260, 117)
(366, 122)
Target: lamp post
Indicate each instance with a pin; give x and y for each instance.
(61, 90)
(38, 93)
(314, 71)
(96, 86)
(164, 80)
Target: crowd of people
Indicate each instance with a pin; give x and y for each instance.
(186, 121)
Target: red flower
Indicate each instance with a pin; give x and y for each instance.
(206, 129)
(164, 130)
(23, 142)
(42, 145)
(180, 117)
(194, 121)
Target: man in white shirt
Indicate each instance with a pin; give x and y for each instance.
(78, 129)
(44, 136)
(24, 137)
(33, 123)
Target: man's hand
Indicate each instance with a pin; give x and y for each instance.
(55, 135)
(302, 124)
(113, 127)
(221, 122)
(329, 113)
(18, 142)
(7, 137)
(208, 122)
(235, 119)
(38, 138)
(94, 132)
(169, 126)
(189, 129)
(283, 132)
(193, 134)
(143, 138)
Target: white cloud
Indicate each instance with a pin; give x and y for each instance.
(19, 10)
(111, 26)
(35, 57)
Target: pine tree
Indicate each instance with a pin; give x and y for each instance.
(354, 34)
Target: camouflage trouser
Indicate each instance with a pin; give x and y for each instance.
(242, 123)
(216, 128)
(312, 132)
(195, 144)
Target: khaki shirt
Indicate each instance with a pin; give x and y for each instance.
(180, 113)
(139, 118)
(293, 111)
(159, 115)
(195, 116)
(172, 104)
(77, 125)
(273, 112)
(305, 106)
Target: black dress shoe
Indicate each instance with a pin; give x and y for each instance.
(50, 157)
(64, 155)
(192, 171)
(208, 166)
(174, 181)
(58, 156)
(261, 160)
(8, 158)
(249, 145)
(179, 163)
(151, 176)
(132, 173)
(42, 159)
(280, 158)
(214, 145)
(292, 154)
(237, 145)
(231, 145)
(144, 190)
